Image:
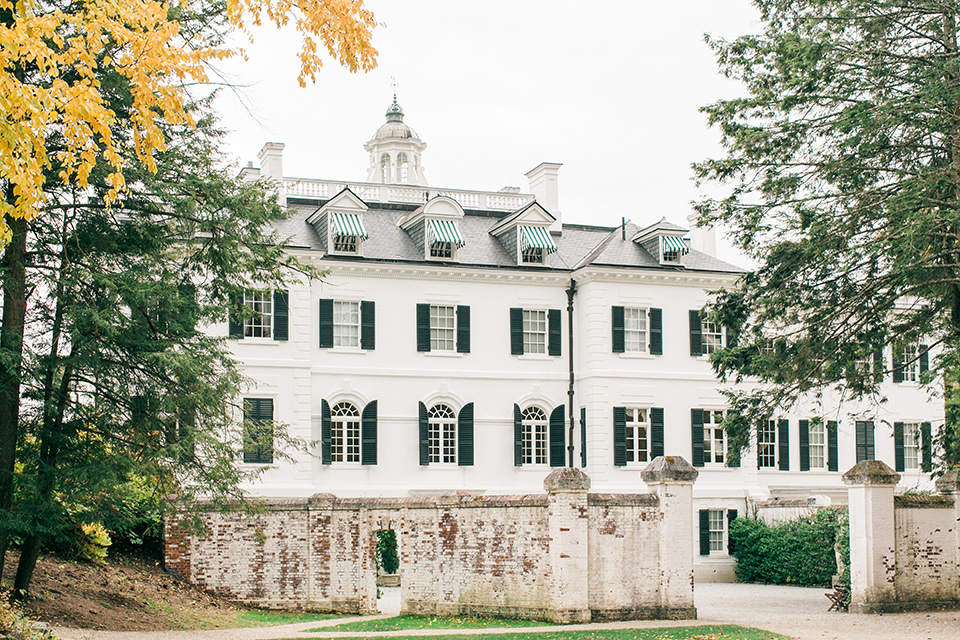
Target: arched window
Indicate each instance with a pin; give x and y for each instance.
(385, 168)
(443, 434)
(533, 426)
(344, 433)
(402, 167)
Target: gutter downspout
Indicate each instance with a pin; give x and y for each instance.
(570, 293)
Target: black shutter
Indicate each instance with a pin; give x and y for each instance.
(558, 443)
(655, 317)
(704, 532)
(619, 436)
(732, 337)
(804, 428)
(368, 325)
(783, 438)
(833, 449)
(897, 364)
(583, 437)
(898, 446)
(463, 329)
(517, 437)
(424, 435)
(619, 343)
(924, 358)
(878, 364)
(696, 334)
(516, 332)
(281, 313)
(926, 448)
(554, 336)
(696, 433)
(656, 432)
(871, 453)
(235, 305)
(368, 434)
(731, 516)
(258, 426)
(465, 436)
(865, 449)
(324, 432)
(423, 328)
(326, 323)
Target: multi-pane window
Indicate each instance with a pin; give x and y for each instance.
(714, 437)
(533, 429)
(346, 324)
(818, 445)
(534, 331)
(442, 434)
(718, 531)
(259, 325)
(767, 444)
(258, 430)
(533, 255)
(441, 250)
(344, 433)
(908, 353)
(634, 330)
(346, 244)
(638, 435)
(442, 328)
(712, 336)
(911, 445)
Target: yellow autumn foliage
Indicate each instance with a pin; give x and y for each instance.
(50, 61)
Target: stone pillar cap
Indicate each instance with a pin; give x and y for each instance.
(949, 482)
(566, 479)
(321, 499)
(871, 472)
(669, 468)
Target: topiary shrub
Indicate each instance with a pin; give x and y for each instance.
(800, 552)
(387, 556)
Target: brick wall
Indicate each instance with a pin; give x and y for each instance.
(565, 556)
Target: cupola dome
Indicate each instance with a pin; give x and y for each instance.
(395, 151)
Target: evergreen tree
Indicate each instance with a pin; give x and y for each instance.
(843, 161)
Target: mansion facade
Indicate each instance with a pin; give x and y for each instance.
(471, 341)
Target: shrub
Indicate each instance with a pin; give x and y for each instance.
(387, 556)
(800, 552)
(92, 542)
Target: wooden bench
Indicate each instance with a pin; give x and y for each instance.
(837, 597)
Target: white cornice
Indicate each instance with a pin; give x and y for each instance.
(688, 278)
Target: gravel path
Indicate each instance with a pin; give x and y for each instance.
(793, 611)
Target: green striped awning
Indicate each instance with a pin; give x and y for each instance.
(347, 224)
(672, 243)
(445, 231)
(536, 237)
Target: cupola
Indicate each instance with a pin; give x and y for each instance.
(395, 151)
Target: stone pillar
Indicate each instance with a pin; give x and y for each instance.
(568, 524)
(672, 478)
(320, 588)
(872, 536)
(949, 485)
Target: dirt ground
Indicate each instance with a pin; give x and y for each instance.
(126, 594)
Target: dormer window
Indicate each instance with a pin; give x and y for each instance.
(672, 249)
(535, 244)
(441, 250)
(443, 239)
(346, 244)
(533, 255)
(347, 232)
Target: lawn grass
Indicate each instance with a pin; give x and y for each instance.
(400, 623)
(705, 632)
(263, 618)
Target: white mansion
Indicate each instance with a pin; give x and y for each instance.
(470, 341)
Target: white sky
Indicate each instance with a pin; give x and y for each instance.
(609, 89)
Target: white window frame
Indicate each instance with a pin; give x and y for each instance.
(534, 436)
(259, 325)
(443, 328)
(817, 430)
(636, 329)
(533, 255)
(535, 339)
(346, 333)
(711, 455)
(344, 433)
(345, 245)
(442, 434)
(909, 357)
(638, 436)
(767, 436)
(442, 251)
(911, 446)
(711, 337)
(718, 531)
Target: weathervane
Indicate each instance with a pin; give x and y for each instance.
(394, 84)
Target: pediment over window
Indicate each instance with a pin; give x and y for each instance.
(664, 241)
(339, 223)
(525, 234)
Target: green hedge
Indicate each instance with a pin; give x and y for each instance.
(799, 552)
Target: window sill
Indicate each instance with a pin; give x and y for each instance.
(442, 465)
(443, 354)
(353, 350)
(637, 355)
(529, 466)
(717, 466)
(267, 341)
(535, 356)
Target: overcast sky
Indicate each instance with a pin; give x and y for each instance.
(609, 89)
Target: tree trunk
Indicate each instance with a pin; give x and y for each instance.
(13, 266)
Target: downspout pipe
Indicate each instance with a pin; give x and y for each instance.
(570, 293)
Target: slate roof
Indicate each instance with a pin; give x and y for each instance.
(578, 246)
